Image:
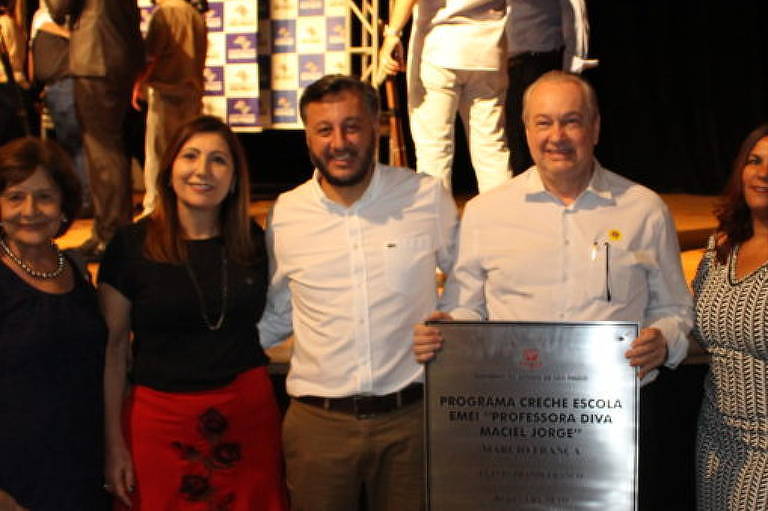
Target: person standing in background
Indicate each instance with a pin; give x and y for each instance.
(105, 54)
(49, 55)
(542, 35)
(455, 65)
(176, 46)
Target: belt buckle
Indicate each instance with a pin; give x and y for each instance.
(356, 408)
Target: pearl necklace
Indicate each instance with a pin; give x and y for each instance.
(42, 275)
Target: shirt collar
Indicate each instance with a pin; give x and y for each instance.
(369, 194)
(598, 185)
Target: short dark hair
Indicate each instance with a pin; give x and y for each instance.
(733, 214)
(334, 84)
(165, 240)
(20, 158)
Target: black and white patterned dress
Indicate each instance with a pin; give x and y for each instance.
(732, 443)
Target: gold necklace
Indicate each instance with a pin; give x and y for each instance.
(201, 299)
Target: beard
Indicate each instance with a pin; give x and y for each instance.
(360, 172)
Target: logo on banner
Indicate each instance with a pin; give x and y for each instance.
(311, 35)
(311, 69)
(216, 49)
(214, 18)
(241, 47)
(311, 7)
(336, 8)
(242, 80)
(284, 9)
(240, 15)
(213, 77)
(243, 111)
(285, 73)
(215, 105)
(336, 35)
(337, 62)
(530, 358)
(284, 107)
(284, 36)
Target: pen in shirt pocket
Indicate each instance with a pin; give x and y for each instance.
(594, 252)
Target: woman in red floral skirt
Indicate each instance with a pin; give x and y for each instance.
(192, 422)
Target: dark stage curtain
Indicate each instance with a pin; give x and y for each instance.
(680, 85)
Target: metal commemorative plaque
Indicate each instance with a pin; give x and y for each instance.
(532, 416)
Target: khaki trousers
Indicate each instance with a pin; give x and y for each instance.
(330, 456)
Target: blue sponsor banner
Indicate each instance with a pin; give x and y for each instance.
(284, 36)
(241, 48)
(243, 112)
(285, 107)
(335, 34)
(213, 81)
(214, 18)
(311, 7)
(311, 68)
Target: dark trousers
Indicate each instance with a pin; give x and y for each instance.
(101, 109)
(523, 70)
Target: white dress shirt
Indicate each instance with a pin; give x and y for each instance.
(351, 282)
(464, 34)
(525, 256)
(546, 25)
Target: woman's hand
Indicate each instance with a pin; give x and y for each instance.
(119, 473)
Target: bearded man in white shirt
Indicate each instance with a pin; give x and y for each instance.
(569, 240)
(353, 258)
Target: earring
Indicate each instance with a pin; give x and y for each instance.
(64, 218)
(232, 188)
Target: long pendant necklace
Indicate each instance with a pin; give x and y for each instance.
(224, 291)
(41, 275)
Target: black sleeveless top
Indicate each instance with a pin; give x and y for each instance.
(51, 408)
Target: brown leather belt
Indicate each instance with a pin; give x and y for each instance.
(367, 406)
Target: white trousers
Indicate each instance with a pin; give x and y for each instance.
(478, 98)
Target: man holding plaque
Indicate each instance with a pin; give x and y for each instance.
(353, 257)
(569, 240)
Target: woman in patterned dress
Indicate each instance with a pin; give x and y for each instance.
(731, 295)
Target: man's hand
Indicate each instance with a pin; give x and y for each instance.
(427, 339)
(648, 351)
(391, 59)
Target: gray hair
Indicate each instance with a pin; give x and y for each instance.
(564, 77)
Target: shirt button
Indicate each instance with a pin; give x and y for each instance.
(566, 242)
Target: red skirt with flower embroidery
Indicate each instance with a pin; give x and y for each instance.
(216, 450)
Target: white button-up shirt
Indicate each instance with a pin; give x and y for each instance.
(611, 255)
(351, 282)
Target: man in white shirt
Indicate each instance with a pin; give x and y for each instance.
(542, 35)
(353, 258)
(569, 241)
(456, 64)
